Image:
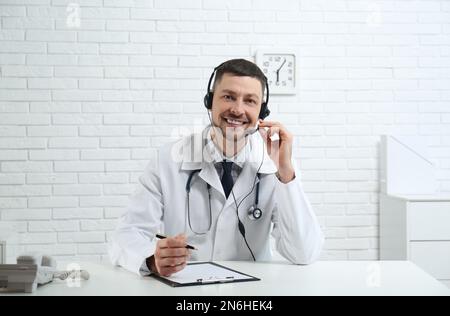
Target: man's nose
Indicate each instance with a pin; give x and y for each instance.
(238, 107)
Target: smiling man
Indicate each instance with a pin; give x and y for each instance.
(224, 191)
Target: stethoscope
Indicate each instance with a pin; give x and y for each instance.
(254, 212)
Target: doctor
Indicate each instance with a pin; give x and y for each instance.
(224, 191)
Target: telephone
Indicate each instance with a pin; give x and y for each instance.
(46, 266)
(32, 270)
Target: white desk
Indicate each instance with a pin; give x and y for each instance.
(321, 278)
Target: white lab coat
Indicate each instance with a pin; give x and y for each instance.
(160, 206)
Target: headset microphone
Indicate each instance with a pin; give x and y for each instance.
(275, 137)
(251, 131)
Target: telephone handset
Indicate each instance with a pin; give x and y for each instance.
(46, 266)
(32, 270)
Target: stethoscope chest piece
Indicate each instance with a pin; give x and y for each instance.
(254, 213)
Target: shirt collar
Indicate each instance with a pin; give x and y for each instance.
(217, 155)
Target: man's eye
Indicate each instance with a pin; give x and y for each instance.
(251, 101)
(228, 97)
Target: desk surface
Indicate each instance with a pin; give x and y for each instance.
(321, 278)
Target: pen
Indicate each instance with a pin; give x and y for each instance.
(164, 237)
(216, 280)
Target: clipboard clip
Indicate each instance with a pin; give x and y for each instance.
(215, 280)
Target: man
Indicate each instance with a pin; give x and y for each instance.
(223, 191)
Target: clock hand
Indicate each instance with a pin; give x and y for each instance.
(281, 65)
(278, 71)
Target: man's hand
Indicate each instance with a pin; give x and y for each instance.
(279, 151)
(170, 256)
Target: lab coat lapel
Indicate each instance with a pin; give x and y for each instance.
(210, 176)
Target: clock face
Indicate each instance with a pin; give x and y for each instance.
(280, 71)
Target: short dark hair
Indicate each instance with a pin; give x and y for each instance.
(240, 68)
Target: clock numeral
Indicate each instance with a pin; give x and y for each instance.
(265, 70)
(290, 64)
(284, 83)
(266, 64)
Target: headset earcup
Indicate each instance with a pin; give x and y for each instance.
(264, 111)
(208, 100)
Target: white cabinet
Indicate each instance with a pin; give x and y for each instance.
(417, 229)
(2, 252)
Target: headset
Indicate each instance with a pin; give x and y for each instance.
(254, 212)
(208, 99)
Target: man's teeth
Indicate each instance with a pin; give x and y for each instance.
(234, 122)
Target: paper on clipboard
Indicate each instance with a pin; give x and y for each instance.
(204, 273)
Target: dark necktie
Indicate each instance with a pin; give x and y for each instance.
(227, 179)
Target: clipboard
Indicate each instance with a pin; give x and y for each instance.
(203, 273)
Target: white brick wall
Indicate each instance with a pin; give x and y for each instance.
(84, 108)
